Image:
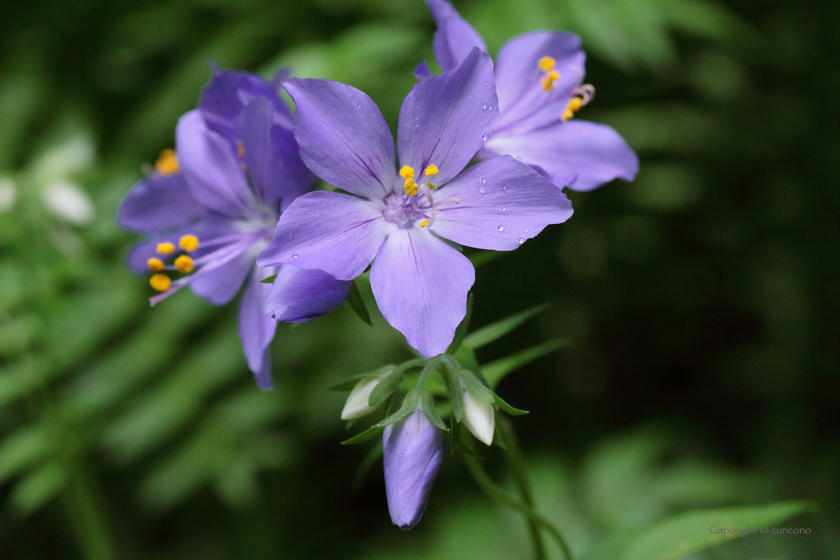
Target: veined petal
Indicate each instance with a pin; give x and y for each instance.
(157, 203)
(256, 329)
(422, 71)
(253, 127)
(337, 233)
(420, 284)
(299, 295)
(501, 203)
(219, 284)
(445, 119)
(211, 169)
(343, 138)
(593, 153)
(524, 102)
(454, 38)
(295, 178)
(228, 92)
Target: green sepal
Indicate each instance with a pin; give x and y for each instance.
(385, 388)
(409, 405)
(357, 303)
(269, 280)
(494, 331)
(350, 381)
(476, 387)
(427, 405)
(463, 327)
(507, 408)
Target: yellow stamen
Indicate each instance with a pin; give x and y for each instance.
(575, 103)
(431, 170)
(155, 265)
(424, 223)
(568, 114)
(431, 186)
(547, 63)
(165, 248)
(188, 242)
(160, 282)
(410, 186)
(184, 264)
(549, 79)
(240, 148)
(407, 172)
(167, 163)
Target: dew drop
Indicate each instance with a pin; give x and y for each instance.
(503, 209)
(526, 231)
(501, 229)
(486, 84)
(359, 105)
(295, 255)
(521, 241)
(483, 181)
(485, 137)
(484, 106)
(490, 107)
(482, 190)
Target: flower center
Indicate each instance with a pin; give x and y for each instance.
(417, 203)
(183, 263)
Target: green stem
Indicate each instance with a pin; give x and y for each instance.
(84, 510)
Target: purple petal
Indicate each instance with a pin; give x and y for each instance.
(210, 167)
(157, 203)
(422, 71)
(256, 329)
(219, 285)
(337, 233)
(295, 178)
(445, 119)
(299, 295)
(343, 137)
(228, 92)
(454, 38)
(412, 455)
(501, 203)
(523, 101)
(593, 153)
(420, 284)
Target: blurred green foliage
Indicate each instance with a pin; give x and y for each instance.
(702, 298)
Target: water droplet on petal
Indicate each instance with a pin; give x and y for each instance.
(521, 241)
(485, 137)
(503, 209)
(526, 231)
(482, 190)
(483, 181)
(490, 107)
(295, 255)
(486, 84)
(484, 106)
(501, 229)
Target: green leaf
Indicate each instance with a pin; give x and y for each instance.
(483, 257)
(357, 304)
(498, 329)
(37, 488)
(507, 408)
(370, 433)
(683, 534)
(496, 371)
(269, 280)
(427, 405)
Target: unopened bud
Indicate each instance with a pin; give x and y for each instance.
(479, 417)
(357, 401)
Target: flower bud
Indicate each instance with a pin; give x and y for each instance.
(413, 452)
(357, 401)
(479, 416)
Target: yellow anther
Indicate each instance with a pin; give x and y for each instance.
(160, 282)
(407, 172)
(431, 186)
(575, 103)
(431, 170)
(240, 148)
(424, 223)
(188, 242)
(553, 75)
(547, 63)
(410, 186)
(167, 163)
(165, 248)
(184, 264)
(568, 114)
(155, 265)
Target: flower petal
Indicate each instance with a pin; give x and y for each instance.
(219, 285)
(420, 284)
(501, 203)
(299, 295)
(256, 329)
(157, 203)
(445, 119)
(337, 233)
(593, 153)
(228, 92)
(524, 103)
(343, 137)
(454, 38)
(211, 168)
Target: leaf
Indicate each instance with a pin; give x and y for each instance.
(507, 408)
(498, 329)
(357, 304)
(38, 487)
(269, 280)
(496, 371)
(370, 433)
(686, 533)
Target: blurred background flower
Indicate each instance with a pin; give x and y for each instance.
(702, 297)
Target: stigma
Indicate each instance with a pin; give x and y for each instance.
(167, 163)
(183, 264)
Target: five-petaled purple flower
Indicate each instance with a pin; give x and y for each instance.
(419, 281)
(215, 205)
(539, 79)
(412, 454)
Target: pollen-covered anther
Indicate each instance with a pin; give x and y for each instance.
(167, 163)
(410, 186)
(547, 63)
(424, 223)
(572, 107)
(407, 172)
(240, 148)
(165, 248)
(160, 282)
(188, 242)
(184, 264)
(432, 170)
(549, 79)
(155, 264)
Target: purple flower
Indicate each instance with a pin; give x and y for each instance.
(419, 281)
(412, 453)
(214, 207)
(539, 81)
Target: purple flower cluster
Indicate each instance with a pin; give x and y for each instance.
(233, 204)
